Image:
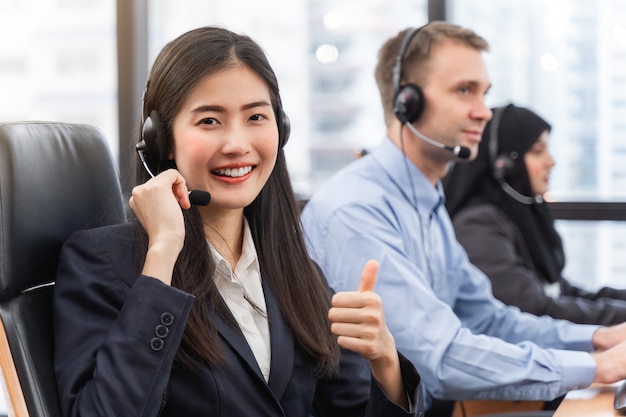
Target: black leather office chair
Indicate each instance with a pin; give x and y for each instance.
(55, 178)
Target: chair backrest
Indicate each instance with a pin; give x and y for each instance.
(55, 178)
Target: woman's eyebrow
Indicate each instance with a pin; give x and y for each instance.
(208, 107)
(254, 104)
(221, 109)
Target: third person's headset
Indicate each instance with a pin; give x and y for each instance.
(502, 164)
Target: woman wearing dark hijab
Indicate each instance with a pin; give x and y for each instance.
(497, 208)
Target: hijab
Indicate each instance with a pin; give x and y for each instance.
(517, 129)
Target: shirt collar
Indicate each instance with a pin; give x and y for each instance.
(248, 256)
(414, 185)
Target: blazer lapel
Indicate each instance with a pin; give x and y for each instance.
(282, 345)
(237, 341)
(281, 342)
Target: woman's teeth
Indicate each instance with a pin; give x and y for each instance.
(233, 172)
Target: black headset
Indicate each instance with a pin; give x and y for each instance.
(501, 165)
(408, 99)
(153, 147)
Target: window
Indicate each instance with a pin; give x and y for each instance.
(565, 59)
(58, 63)
(325, 67)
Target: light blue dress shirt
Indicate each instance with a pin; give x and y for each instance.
(439, 307)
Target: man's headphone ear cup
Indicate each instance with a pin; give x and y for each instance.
(284, 128)
(155, 142)
(408, 103)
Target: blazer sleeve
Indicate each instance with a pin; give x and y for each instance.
(496, 247)
(116, 332)
(380, 404)
(354, 393)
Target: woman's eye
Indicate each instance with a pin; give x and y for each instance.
(208, 121)
(256, 117)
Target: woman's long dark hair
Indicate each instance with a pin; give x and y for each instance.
(273, 216)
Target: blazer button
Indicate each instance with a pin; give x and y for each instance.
(161, 331)
(156, 344)
(167, 318)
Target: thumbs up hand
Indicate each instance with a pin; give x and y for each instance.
(357, 319)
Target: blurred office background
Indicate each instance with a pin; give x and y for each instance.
(85, 61)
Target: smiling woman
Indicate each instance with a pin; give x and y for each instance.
(218, 309)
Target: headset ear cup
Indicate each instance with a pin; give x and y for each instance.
(284, 128)
(155, 142)
(408, 103)
(502, 167)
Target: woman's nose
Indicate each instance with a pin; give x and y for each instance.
(236, 140)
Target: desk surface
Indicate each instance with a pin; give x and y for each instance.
(596, 401)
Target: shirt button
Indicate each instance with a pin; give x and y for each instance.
(167, 318)
(156, 344)
(161, 331)
(245, 319)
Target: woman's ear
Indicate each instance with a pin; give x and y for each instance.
(170, 152)
(171, 157)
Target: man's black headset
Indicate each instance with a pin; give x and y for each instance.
(502, 164)
(408, 99)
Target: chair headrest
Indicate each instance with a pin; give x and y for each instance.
(55, 178)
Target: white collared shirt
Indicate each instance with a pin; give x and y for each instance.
(246, 280)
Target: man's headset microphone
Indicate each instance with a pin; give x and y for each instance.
(409, 101)
(152, 149)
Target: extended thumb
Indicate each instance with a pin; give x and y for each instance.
(368, 276)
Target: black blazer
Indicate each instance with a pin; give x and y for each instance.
(117, 332)
(496, 245)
